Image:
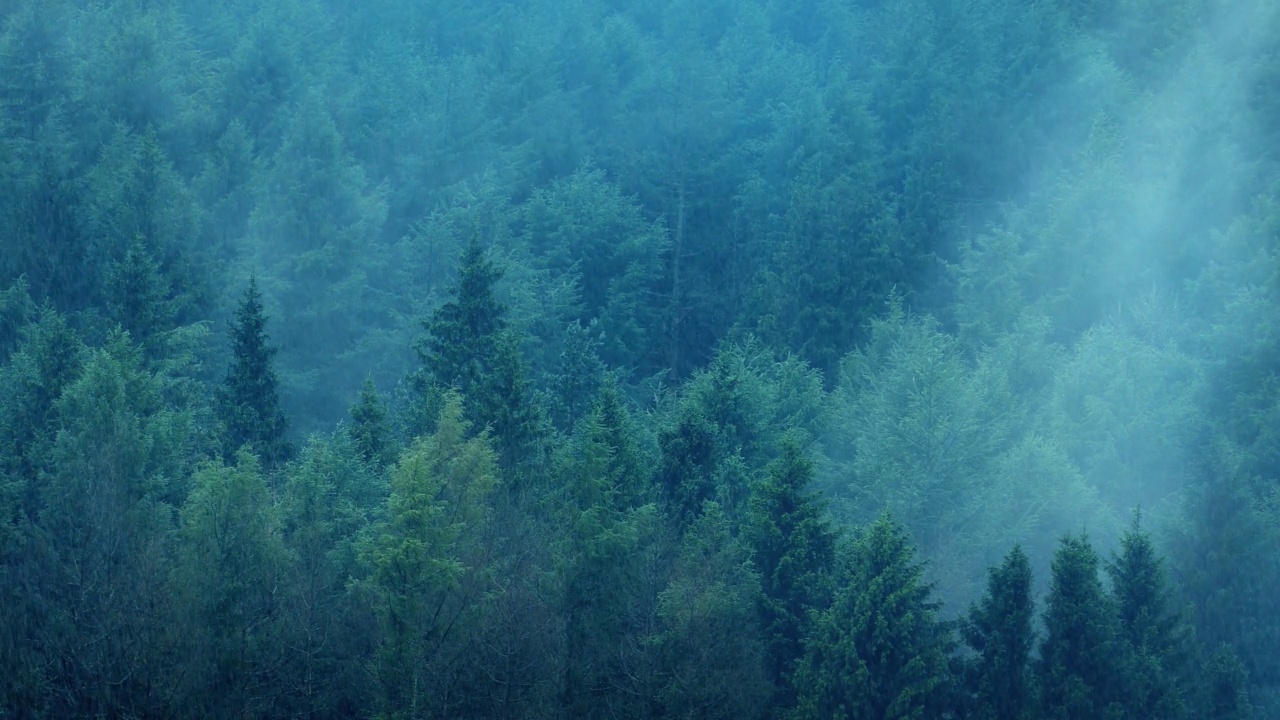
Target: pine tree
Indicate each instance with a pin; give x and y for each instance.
(250, 402)
(369, 429)
(138, 297)
(611, 424)
(689, 458)
(792, 547)
(469, 348)
(462, 334)
(999, 629)
(1149, 631)
(604, 542)
(879, 651)
(1079, 675)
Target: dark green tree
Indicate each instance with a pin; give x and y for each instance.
(426, 571)
(370, 429)
(462, 334)
(879, 651)
(469, 348)
(606, 534)
(711, 645)
(328, 498)
(1080, 676)
(792, 547)
(49, 359)
(139, 299)
(1150, 632)
(16, 310)
(999, 629)
(250, 402)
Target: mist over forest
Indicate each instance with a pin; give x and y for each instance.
(689, 359)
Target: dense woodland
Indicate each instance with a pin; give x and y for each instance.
(655, 359)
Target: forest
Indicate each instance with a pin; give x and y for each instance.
(724, 359)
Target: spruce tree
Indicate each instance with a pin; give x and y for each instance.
(138, 296)
(999, 629)
(369, 428)
(462, 334)
(469, 348)
(1079, 675)
(792, 547)
(879, 651)
(1149, 632)
(250, 402)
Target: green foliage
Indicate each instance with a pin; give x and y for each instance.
(249, 405)
(1080, 673)
(582, 226)
(231, 562)
(1151, 633)
(1228, 518)
(468, 349)
(16, 310)
(917, 428)
(106, 518)
(423, 569)
(713, 654)
(998, 628)
(1005, 269)
(792, 548)
(49, 359)
(879, 650)
(607, 529)
(370, 430)
(1226, 695)
(328, 500)
(1125, 410)
(139, 299)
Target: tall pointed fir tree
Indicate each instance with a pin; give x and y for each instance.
(369, 428)
(999, 629)
(138, 296)
(470, 349)
(792, 547)
(1079, 675)
(879, 651)
(1151, 635)
(250, 402)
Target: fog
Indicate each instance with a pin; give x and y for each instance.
(664, 359)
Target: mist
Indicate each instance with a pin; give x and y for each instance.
(893, 358)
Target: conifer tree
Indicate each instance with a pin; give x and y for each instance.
(250, 402)
(1149, 632)
(879, 651)
(1079, 676)
(230, 569)
(138, 297)
(792, 547)
(604, 542)
(469, 348)
(424, 575)
(369, 428)
(999, 629)
(462, 334)
(711, 650)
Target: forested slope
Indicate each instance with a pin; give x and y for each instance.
(677, 358)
